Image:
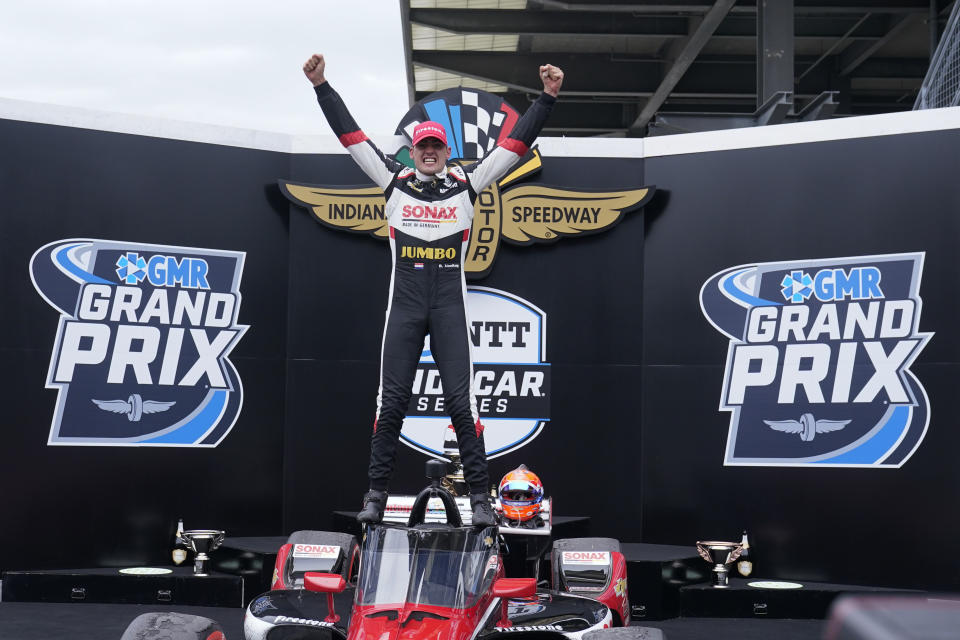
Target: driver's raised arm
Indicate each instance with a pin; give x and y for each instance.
(494, 166)
(378, 167)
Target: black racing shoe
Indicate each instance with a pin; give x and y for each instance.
(373, 505)
(483, 515)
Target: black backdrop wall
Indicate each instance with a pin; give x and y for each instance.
(635, 438)
(66, 506)
(819, 200)
(338, 294)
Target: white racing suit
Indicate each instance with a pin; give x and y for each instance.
(429, 219)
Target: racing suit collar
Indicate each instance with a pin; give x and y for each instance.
(440, 175)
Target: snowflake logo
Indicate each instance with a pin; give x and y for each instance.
(796, 286)
(132, 268)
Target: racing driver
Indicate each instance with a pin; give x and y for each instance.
(429, 210)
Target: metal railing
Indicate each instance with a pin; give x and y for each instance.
(941, 86)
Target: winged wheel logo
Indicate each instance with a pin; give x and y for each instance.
(133, 407)
(520, 214)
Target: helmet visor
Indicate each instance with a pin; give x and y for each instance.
(521, 491)
(519, 495)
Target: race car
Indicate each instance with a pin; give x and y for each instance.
(436, 581)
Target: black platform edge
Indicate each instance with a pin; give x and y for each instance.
(109, 586)
(251, 558)
(96, 621)
(740, 600)
(655, 574)
(901, 617)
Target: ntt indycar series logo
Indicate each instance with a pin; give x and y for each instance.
(818, 367)
(141, 352)
(511, 380)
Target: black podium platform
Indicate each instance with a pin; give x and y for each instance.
(655, 573)
(740, 600)
(251, 558)
(180, 587)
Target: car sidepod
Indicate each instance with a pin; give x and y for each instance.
(547, 614)
(323, 551)
(593, 567)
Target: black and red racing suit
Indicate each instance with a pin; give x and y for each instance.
(429, 219)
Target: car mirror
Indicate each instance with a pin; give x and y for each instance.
(324, 582)
(328, 583)
(515, 587)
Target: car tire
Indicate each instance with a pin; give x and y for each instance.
(625, 633)
(172, 626)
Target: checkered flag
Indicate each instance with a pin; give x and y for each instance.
(474, 120)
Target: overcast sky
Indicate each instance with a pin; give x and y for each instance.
(229, 62)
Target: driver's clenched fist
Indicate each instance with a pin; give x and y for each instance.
(313, 69)
(552, 78)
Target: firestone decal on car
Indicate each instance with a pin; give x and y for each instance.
(304, 621)
(539, 627)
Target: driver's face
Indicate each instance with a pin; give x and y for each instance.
(430, 156)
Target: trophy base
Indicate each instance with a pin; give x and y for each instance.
(200, 565)
(721, 578)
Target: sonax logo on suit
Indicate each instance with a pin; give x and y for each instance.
(818, 365)
(140, 356)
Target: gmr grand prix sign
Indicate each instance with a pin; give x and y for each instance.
(140, 354)
(818, 365)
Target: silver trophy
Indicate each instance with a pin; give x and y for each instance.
(454, 481)
(719, 554)
(202, 542)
